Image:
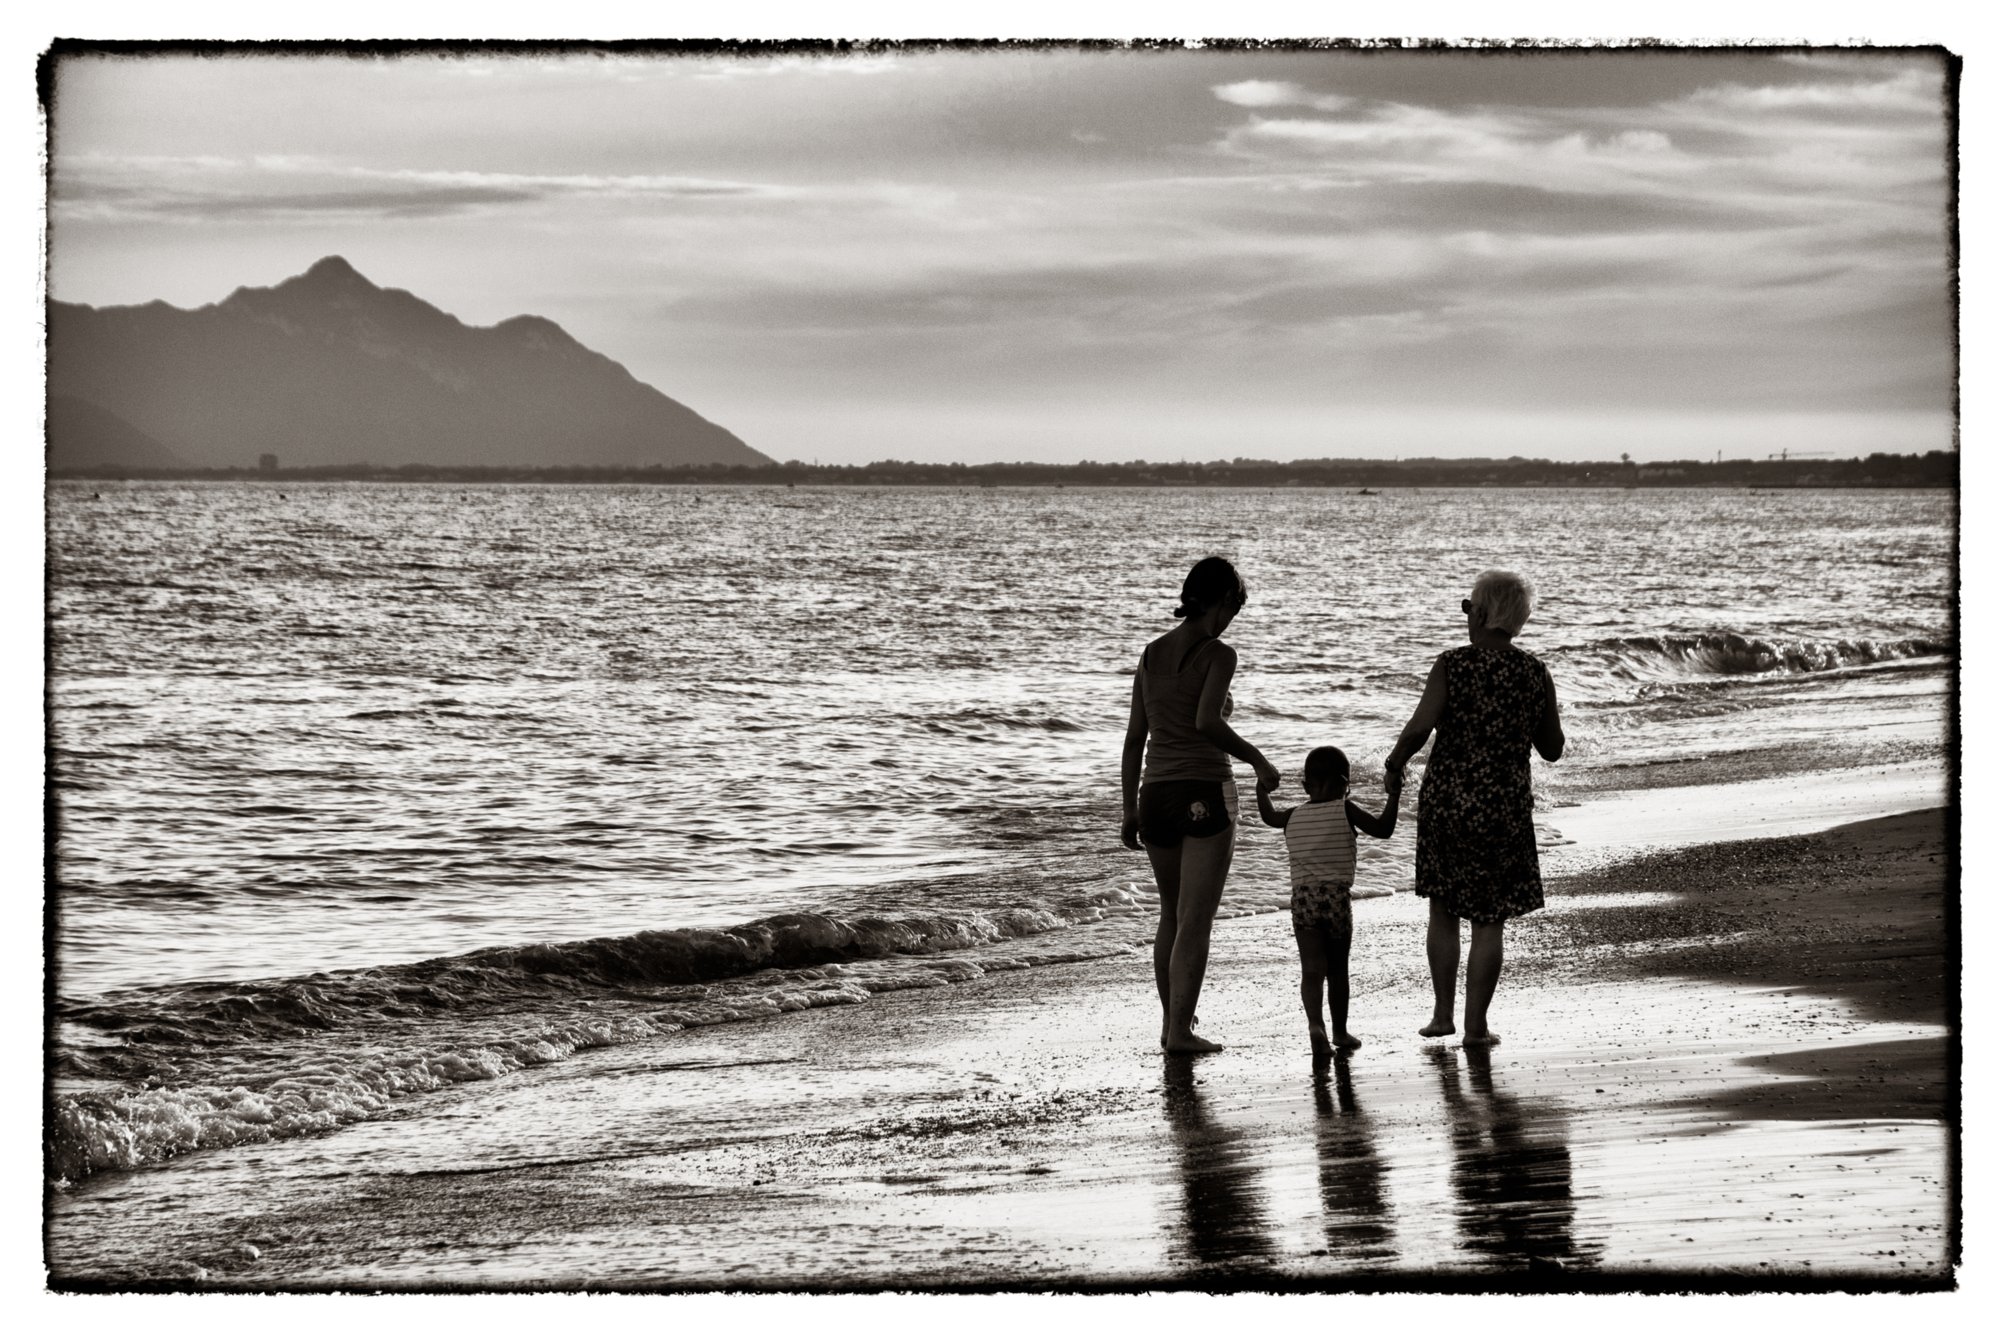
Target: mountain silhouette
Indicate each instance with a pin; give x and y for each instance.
(82, 435)
(327, 368)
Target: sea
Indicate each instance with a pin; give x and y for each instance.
(362, 792)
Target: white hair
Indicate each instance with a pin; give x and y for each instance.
(1505, 598)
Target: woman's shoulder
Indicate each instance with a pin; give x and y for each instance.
(1167, 653)
(1527, 670)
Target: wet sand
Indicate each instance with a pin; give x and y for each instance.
(1728, 1066)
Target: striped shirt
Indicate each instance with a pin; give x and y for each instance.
(1320, 840)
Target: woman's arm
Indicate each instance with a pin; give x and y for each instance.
(1208, 720)
(1549, 732)
(1128, 771)
(1430, 709)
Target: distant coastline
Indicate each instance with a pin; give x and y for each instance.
(1931, 470)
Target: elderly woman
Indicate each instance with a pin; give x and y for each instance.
(1489, 702)
(1184, 810)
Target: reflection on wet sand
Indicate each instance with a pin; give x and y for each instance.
(1353, 1193)
(1222, 1214)
(1510, 1169)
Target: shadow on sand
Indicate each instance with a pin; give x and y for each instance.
(1510, 1170)
(1353, 1191)
(1223, 1220)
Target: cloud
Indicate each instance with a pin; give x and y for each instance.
(1815, 156)
(1261, 93)
(276, 187)
(1914, 93)
(99, 202)
(1445, 235)
(761, 66)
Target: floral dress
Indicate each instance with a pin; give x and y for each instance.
(1475, 810)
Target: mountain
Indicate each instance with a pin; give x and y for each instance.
(328, 368)
(82, 435)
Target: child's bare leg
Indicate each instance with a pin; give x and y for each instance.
(1441, 948)
(1338, 944)
(1482, 975)
(1312, 982)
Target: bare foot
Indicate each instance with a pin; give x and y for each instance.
(1188, 1044)
(1484, 1038)
(1193, 1022)
(1321, 1047)
(1345, 1040)
(1437, 1028)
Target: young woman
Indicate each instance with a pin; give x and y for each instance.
(1183, 808)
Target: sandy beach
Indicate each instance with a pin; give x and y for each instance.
(1727, 1065)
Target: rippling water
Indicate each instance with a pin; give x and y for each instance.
(299, 729)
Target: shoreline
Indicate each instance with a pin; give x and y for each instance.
(1730, 1063)
(778, 477)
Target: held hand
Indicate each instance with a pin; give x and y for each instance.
(1129, 832)
(1268, 777)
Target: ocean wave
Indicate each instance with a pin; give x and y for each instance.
(979, 717)
(1724, 654)
(213, 1064)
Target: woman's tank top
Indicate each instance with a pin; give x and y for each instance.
(1175, 748)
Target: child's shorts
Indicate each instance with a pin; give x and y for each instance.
(1323, 908)
(1177, 809)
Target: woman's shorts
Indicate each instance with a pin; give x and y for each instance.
(1177, 809)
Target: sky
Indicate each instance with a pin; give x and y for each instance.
(1038, 254)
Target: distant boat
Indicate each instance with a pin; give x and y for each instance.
(1367, 492)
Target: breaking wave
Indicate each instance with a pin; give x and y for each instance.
(208, 1065)
(1725, 654)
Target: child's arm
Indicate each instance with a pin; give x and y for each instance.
(1384, 825)
(1272, 816)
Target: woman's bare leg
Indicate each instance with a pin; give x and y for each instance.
(1204, 869)
(1441, 948)
(1482, 975)
(1167, 877)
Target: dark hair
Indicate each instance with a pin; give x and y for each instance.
(1212, 581)
(1326, 763)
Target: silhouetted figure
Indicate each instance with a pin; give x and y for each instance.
(1353, 1195)
(1510, 1170)
(1184, 808)
(1319, 842)
(1222, 1214)
(1489, 702)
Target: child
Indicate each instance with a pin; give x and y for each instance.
(1319, 835)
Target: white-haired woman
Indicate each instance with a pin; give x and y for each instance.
(1489, 703)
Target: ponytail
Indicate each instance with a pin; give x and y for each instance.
(1210, 582)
